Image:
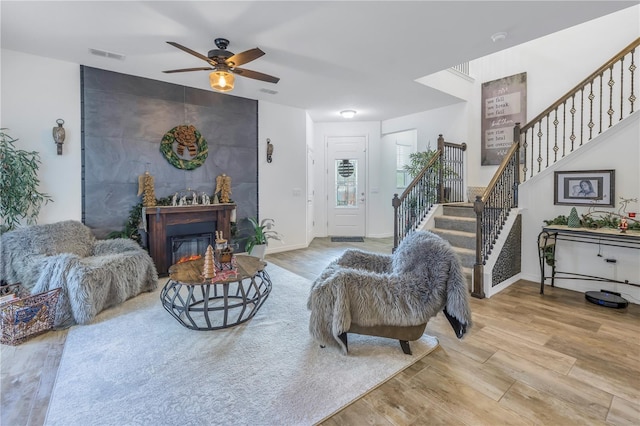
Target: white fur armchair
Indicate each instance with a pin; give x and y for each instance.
(390, 295)
(93, 274)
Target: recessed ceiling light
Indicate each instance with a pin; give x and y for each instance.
(498, 36)
(348, 113)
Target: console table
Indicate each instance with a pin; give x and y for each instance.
(550, 235)
(158, 218)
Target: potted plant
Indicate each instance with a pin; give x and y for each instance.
(19, 183)
(419, 160)
(257, 242)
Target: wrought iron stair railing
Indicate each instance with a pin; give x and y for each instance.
(441, 180)
(567, 124)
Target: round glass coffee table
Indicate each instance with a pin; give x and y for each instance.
(221, 302)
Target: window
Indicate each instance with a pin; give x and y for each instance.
(402, 158)
(346, 191)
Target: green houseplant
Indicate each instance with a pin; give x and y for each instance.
(419, 160)
(262, 233)
(19, 183)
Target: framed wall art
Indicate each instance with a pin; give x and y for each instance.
(504, 103)
(584, 188)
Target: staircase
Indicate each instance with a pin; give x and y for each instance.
(458, 226)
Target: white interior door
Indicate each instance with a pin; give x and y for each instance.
(346, 181)
(310, 196)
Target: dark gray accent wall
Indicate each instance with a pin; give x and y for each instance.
(509, 259)
(123, 121)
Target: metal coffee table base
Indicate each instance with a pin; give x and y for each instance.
(216, 306)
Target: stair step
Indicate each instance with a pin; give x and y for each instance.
(460, 239)
(467, 257)
(459, 210)
(456, 223)
(468, 274)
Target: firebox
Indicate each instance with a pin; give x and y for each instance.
(188, 240)
(189, 247)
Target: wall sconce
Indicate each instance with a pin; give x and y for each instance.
(269, 150)
(59, 134)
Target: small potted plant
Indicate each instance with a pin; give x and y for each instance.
(257, 242)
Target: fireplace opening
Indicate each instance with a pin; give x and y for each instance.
(189, 247)
(188, 241)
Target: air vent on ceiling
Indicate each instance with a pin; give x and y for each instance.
(269, 91)
(106, 54)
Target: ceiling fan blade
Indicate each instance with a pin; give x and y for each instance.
(244, 57)
(190, 69)
(255, 75)
(193, 52)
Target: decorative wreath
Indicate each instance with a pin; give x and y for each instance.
(187, 136)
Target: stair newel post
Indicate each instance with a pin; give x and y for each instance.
(516, 166)
(396, 204)
(440, 184)
(477, 289)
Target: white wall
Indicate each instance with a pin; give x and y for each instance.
(617, 149)
(378, 203)
(35, 92)
(554, 64)
(282, 193)
(450, 122)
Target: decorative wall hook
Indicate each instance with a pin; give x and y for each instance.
(269, 150)
(59, 134)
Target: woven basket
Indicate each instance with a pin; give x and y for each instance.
(26, 316)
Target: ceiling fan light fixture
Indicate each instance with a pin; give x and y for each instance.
(348, 113)
(222, 81)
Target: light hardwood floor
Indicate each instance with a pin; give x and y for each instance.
(529, 359)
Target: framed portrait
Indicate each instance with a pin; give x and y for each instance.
(584, 188)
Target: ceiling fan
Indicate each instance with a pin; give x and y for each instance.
(224, 64)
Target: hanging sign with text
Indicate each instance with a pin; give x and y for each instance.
(504, 103)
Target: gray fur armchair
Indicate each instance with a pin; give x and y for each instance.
(390, 295)
(92, 274)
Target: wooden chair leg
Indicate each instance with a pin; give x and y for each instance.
(405, 347)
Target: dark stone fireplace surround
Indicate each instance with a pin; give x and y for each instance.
(164, 222)
(124, 118)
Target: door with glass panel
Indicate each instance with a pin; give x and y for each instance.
(346, 166)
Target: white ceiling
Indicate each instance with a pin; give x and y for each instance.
(329, 55)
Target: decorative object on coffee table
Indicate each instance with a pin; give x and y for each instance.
(209, 270)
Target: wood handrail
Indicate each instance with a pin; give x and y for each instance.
(500, 171)
(415, 180)
(630, 48)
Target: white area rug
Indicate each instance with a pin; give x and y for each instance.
(136, 365)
